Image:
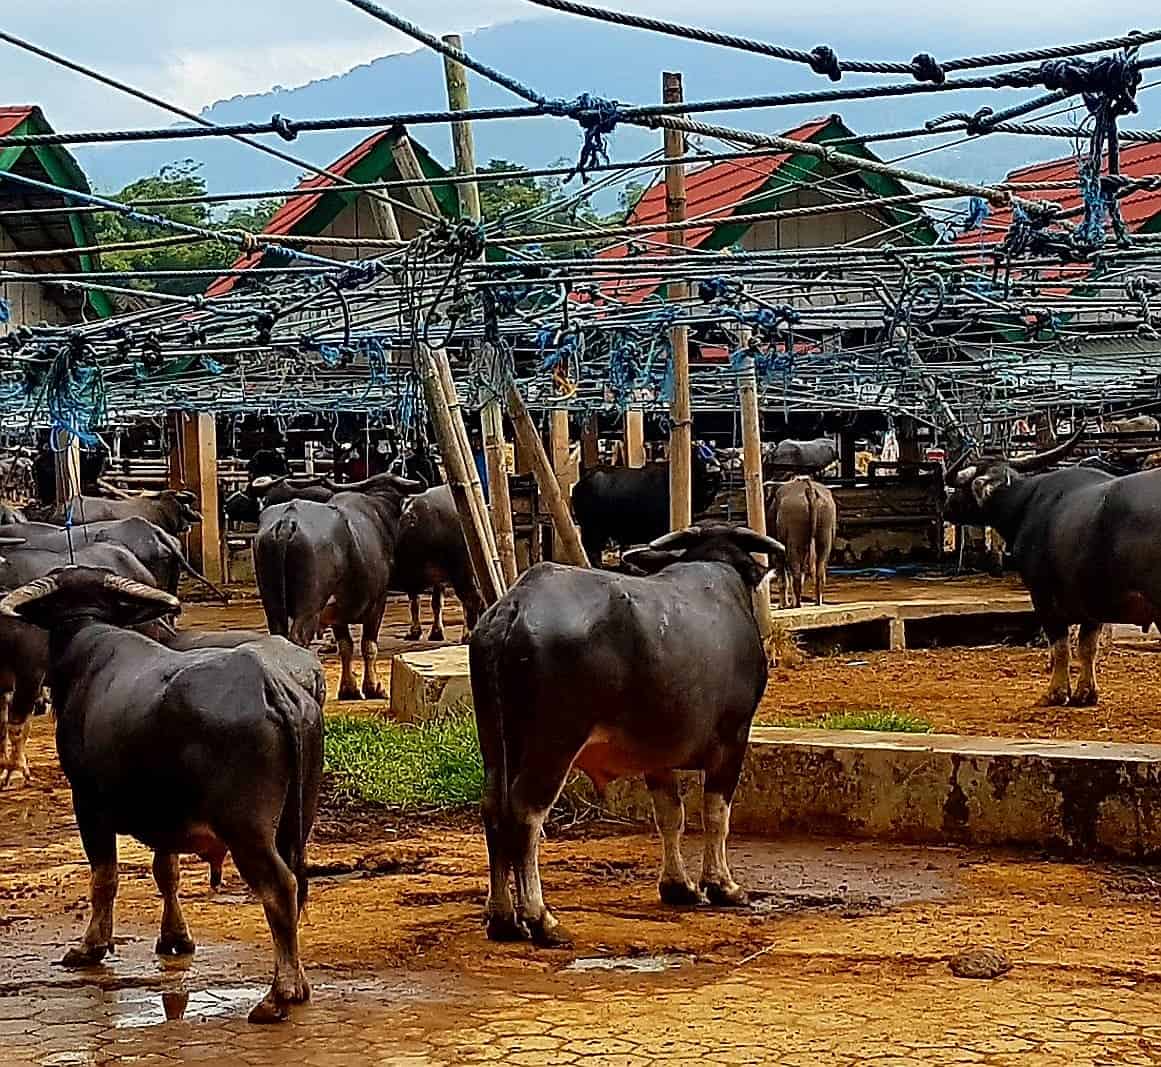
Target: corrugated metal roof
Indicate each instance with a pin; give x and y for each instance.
(297, 208)
(11, 117)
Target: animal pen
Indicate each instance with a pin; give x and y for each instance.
(814, 283)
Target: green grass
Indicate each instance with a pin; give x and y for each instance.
(427, 766)
(884, 720)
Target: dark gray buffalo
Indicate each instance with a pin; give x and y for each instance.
(187, 752)
(630, 505)
(616, 674)
(175, 512)
(330, 564)
(798, 457)
(1084, 542)
(803, 517)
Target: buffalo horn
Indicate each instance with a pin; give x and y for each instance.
(1030, 464)
(752, 541)
(679, 538)
(266, 482)
(12, 542)
(140, 591)
(959, 464)
(34, 590)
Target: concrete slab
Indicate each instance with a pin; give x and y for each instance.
(1072, 798)
(428, 684)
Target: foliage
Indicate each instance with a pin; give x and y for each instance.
(180, 179)
(430, 765)
(880, 719)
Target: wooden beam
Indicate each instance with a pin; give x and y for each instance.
(591, 443)
(559, 449)
(407, 162)
(67, 456)
(681, 429)
(752, 475)
(200, 436)
(492, 415)
(567, 535)
(635, 437)
(383, 215)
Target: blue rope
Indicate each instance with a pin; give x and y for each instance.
(5, 311)
(598, 117)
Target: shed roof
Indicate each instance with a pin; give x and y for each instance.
(369, 161)
(53, 164)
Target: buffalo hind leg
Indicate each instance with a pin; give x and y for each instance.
(100, 845)
(532, 796)
(174, 939)
(1058, 684)
(416, 631)
(720, 782)
(1087, 648)
(674, 884)
(348, 687)
(276, 886)
(436, 613)
(17, 759)
(502, 924)
(372, 687)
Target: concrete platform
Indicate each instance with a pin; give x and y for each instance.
(429, 684)
(1071, 798)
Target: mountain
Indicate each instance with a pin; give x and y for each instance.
(564, 57)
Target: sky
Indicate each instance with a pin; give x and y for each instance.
(196, 52)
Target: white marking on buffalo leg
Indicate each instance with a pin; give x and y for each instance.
(1088, 647)
(98, 939)
(348, 687)
(1058, 687)
(533, 912)
(716, 879)
(673, 885)
(372, 687)
(18, 755)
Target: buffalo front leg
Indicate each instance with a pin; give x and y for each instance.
(348, 687)
(372, 687)
(720, 782)
(416, 631)
(174, 939)
(1058, 685)
(100, 845)
(17, 758)
(674, 885)
(436, 613)
(1087, 648)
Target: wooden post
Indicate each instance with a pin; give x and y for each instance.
(847, 466)
(492, 416)
(591, 443)
(559, 446)
(460, 470)
(567, 535)
(67, 456)
(403, 152)
(752, 475)
(200, 450)
(681, 431)
(383, 213)
(635, 437)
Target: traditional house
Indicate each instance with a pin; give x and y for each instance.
(29, 224)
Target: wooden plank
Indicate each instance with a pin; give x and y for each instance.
(407, 162)
(635, 438)
(200, 435)
(67, 456)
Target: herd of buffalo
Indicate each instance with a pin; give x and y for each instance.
(212, 743)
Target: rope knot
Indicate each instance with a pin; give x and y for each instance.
(926, 68)
(824, 61)
(283, 127)
(980, 123)
(598, 117)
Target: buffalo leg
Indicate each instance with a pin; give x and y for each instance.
(100, 845)
(674, 885)
(436, 613)
(348, 687)
(372, 687)
(174, 939)
(416, 631)
(17, 754)
(1087, 648)
(533, 794)
(501, 908)
(720, 782)
(1058, 685)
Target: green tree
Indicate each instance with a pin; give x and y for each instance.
(175, 180)
(507, 195)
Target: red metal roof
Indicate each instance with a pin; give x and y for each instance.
(11, 117)
(1137, 161)
(297, 208)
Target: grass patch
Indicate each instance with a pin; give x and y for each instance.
(426, 766)
(893, 722)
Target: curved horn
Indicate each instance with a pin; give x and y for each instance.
(958, 465)
(25, 594)
(139, 591)
(752, 541)
(12, 542)
(1030, 464)
(265, 481)
(678, 538)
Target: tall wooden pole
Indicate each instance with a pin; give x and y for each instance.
(403, 152)
(681, 430)
(532, 447)
(635, 438)
(752, 474)
(492, 416)
(67, 456)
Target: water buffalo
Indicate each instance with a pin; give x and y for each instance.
(1084, 542)
(803, 517)
(320, 564)
(798, 457)
(175, 512)
(23, 667)
(616, 674)
(430, 553)
(1135, 424)
(630, 505)
(185, 751)
(266, 491)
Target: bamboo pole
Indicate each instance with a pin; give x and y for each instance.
(528, 438)
(752, 475)
(492, 415)
(681, 429)
(67, 456)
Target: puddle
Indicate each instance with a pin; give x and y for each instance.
(633, 964)
(156, 1008)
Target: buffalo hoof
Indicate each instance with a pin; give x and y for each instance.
(437, 635)
(415, 633)
(505, 928)
(85, 955)
(549, 934)
(349, 693)
(175, 945)
(1084, 698)
(679, 894)
(373, 692)
(466, 636)
(726, 896)
(1055, 698)
(301, 994)
(271, 1009)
